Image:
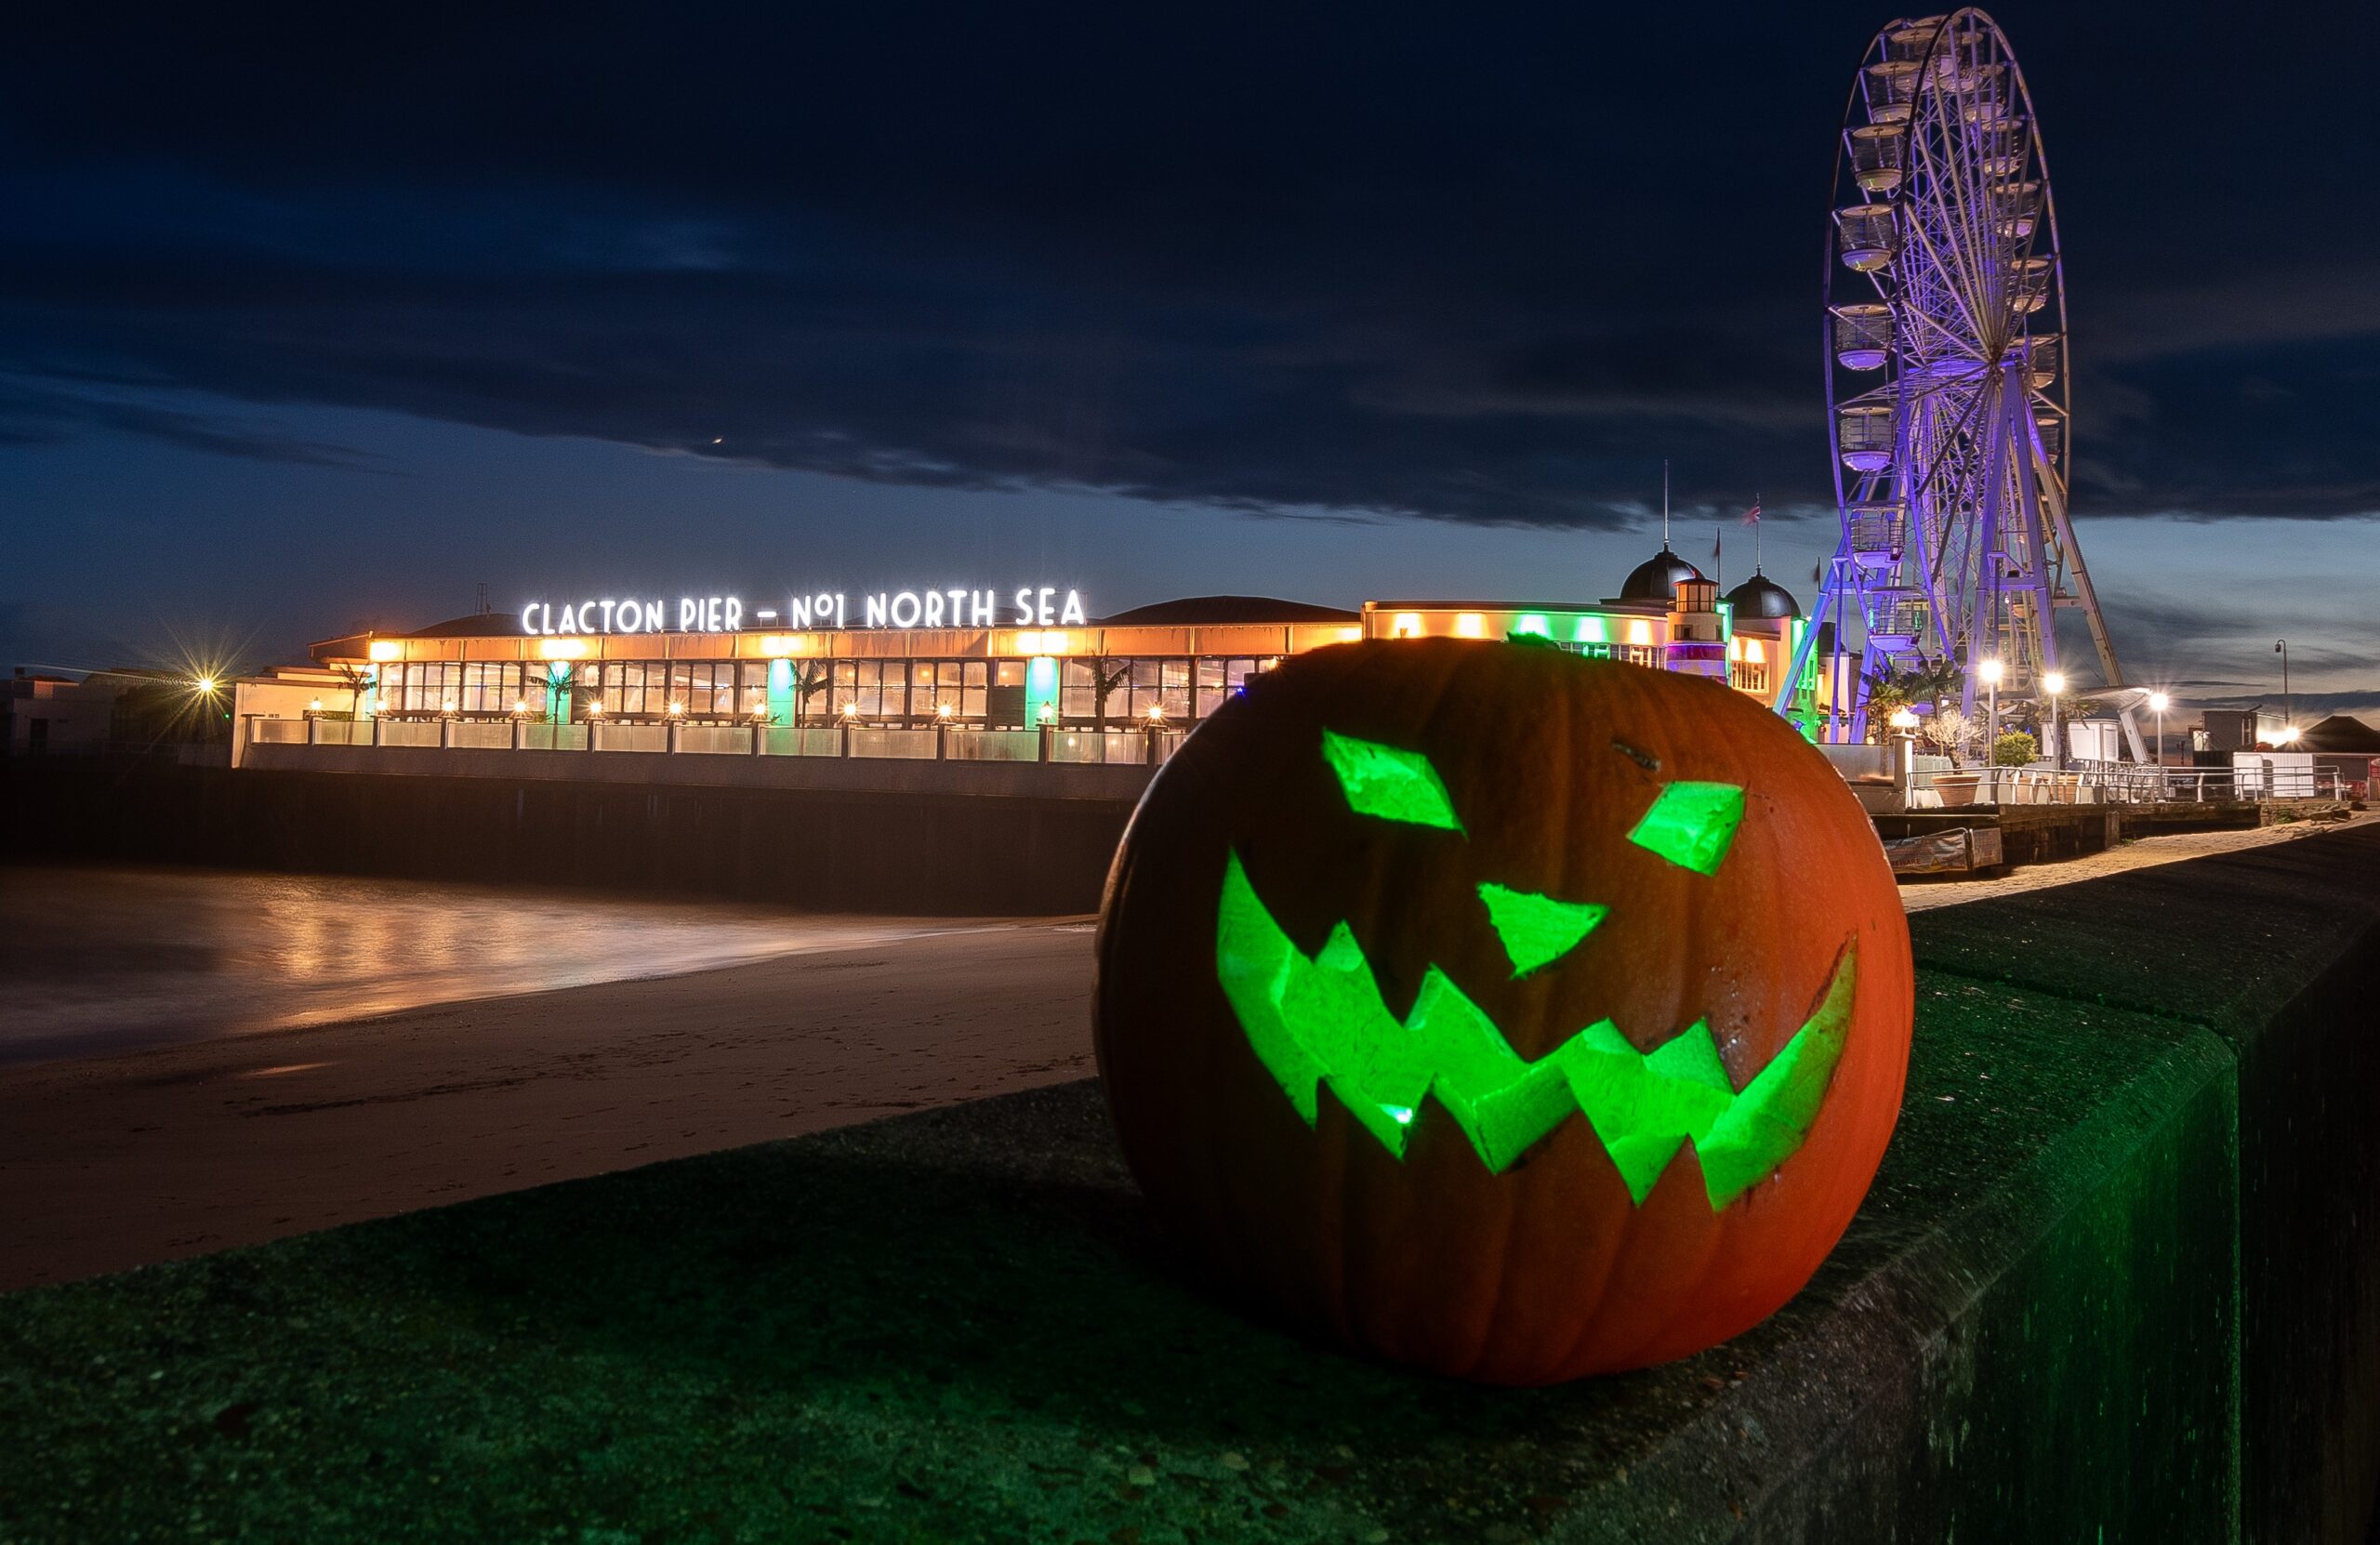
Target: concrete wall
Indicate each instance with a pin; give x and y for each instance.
(929, 838)
(1026, 780)
(2272, 955)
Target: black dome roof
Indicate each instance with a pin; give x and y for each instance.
(1657, 577)
(1763, 597)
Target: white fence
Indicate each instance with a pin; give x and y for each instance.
(947, 743)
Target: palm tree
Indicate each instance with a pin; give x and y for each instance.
(1104, 681)
(810, 678)
(1892, 687)
(355, 681)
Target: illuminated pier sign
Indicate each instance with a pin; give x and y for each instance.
(961, 606)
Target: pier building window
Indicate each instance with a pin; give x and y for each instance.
(1077, 691)
(489, 687)
(1162, 685)
(422, 686)
(1220, 678)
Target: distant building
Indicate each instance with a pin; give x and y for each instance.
(120, 711)
(45, 715)
(684, 673)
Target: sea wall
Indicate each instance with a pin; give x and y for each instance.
(2117, 1280)
(930, 837)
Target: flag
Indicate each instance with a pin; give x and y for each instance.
(1752, 516)
(1714, 544)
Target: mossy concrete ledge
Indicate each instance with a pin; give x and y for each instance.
(958, 1325)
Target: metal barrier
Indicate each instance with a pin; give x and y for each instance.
(992, 744)
(2092, 783)
(1138, 745)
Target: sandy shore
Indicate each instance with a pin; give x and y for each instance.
(112, 1162)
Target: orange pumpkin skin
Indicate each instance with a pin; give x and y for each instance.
(1549, 1269)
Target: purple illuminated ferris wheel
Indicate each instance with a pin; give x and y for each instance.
(1946, 368)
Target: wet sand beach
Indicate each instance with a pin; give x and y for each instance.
(253, 1132)
(275, 1123)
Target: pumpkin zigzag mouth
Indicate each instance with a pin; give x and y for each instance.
(1322, 1019)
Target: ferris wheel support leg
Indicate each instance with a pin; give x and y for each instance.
(2037, 563)
(2085, 593)
(2131, 734)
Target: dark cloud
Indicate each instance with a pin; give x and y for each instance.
(1487, 266)
(44, 412)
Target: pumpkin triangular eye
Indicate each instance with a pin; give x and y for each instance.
(1536, 930)
(1692, 824)
(1391, 784)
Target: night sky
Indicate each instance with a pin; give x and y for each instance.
(313, 320)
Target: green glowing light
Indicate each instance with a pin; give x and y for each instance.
(1391, 784)
(1692, 824)
(1590, 630)
(1320, 1020)
(1537, 930)
(1534, 625)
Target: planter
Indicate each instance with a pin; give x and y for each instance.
(1958, 789)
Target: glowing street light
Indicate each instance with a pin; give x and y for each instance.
(2158, 703)
(1991, 670)
(1904, 719)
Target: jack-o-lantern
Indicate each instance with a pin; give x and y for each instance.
(1502, 1012)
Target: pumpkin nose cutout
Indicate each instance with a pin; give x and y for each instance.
(1536, 930)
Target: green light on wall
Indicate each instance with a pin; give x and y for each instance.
(1040, 691)
(1534, 624)
(1590, 630)
(781, 691)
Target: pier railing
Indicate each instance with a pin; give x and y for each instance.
(1894, 778)
(1137, 746)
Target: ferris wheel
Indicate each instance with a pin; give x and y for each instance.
(1946, 368)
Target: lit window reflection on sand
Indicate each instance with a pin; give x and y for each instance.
(100, 959)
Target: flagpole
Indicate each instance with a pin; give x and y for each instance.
(1665, 503)
(1759, 558)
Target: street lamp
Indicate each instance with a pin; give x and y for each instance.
(2288, 714)
(1991, 671)
(2158, 702)
(1904, 719)
(2054, 683)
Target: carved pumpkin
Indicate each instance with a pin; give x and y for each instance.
(1502, 1012)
